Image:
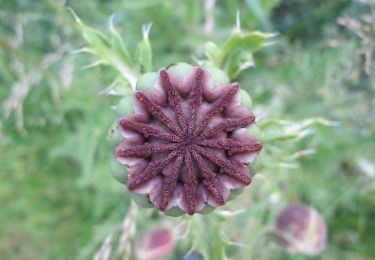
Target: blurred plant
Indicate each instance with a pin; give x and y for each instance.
(281, 138)
(119, 242)
(29, 73)
(364, 28)
(305, 20)
(155, 244)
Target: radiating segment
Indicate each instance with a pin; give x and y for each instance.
(209, 178)
(174, 99)
(190, 182)
(156, 111)
(146, 149)
(149, 131)
(217, 107)
(232, 146)
(170, 183)
(228, 125)
(195, 98)
(151, 171)
(225, 165)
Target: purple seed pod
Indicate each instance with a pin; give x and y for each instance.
(186, 145)
(301, 229)
(155, 244)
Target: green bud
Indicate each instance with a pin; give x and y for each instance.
(234, 193)
(146, 81)
(114, 136)
(256, 166)
(119, 171)
(255, 132)
(180, 69)
(125, 106)
(219, 77)
(246, 99)
(174, 212)
(141, 200)
(206, 209)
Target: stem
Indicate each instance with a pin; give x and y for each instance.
(205, 230)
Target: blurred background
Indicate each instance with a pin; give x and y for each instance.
(57, 197)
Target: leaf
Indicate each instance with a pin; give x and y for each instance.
(250, 42)
(110, 50)
(237, 53)
(213, 52)
(207, 236)
(144, 51)
(119, 45)
(238, 62)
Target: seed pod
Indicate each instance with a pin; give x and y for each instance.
(301, 229)
(187, 146)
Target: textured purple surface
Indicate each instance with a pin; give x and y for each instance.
(186, 144)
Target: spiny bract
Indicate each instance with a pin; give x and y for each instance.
(186, 146)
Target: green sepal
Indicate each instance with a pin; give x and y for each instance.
(206, 209)
(255, 132)
(141, 200)
(246, 100)
(256, 166)
(114, 136)
(175, 211)
(119, 171)
(146, 81)
(234, 193)
(180, 69)
(219, 77)
(125, 106)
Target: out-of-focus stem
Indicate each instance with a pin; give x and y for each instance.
(209, 8)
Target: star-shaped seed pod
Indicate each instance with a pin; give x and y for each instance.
(187, 146)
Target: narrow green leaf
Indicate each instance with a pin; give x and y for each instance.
(213, 52)
(118, 45)
(144, 51)
(250, 42)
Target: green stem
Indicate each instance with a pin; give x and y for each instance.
(206, 236)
